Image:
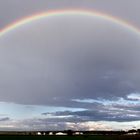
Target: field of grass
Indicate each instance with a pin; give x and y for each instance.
(84, 137)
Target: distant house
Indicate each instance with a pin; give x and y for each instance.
(132, 132)
(38, 133)
(50, 133)
(76, 133)
(44, 133)
(60, 133)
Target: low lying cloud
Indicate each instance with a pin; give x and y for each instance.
(134, 96)
(4, 119)
(37, 124)
(120, 110)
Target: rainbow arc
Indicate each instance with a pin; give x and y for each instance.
(39, 16)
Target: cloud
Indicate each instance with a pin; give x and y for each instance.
(4, 119)
(113, 114)
(37, 124)
(134, 96)
(72, 61)
(120, 110)
(71, 58)
(78, 63)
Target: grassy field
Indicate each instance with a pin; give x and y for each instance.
(84, 137)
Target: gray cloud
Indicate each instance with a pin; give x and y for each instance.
(95, 115)
(38, 124)
(4, 119)
(121, 110)
(61, 59)
(73, 58)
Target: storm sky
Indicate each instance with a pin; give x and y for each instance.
(72, 71)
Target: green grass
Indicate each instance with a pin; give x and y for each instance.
(84, 137)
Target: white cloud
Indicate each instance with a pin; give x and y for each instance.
(113, 101)
(134, 96)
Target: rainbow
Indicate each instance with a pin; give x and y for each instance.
(39, 16)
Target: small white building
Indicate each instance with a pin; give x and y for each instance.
(50, 133)
(60, 133)
(38, 133)
(44, 133)
(78, 133)
(132, 133)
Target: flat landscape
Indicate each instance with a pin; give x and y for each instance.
(84, 137)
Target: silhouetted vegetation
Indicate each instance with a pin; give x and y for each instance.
(71, 132)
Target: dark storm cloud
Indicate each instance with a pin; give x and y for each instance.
(56, 61)
(71, 58)
(4, 119)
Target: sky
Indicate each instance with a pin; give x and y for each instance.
(73, 71)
